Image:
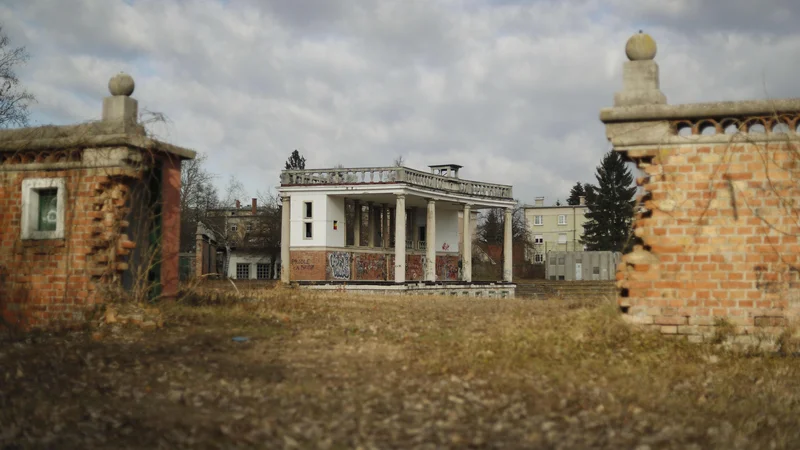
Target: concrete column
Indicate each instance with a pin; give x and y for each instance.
(507, 248)
(430, 242)
(466, 247)
(385, 227)
(400, 240)
(285, 236)
(371, 225)
(357, 223)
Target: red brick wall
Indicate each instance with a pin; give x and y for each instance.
(415, 267)
(46, 283)
(314, 265)
(369, 266)
(720, 240)
(307, 265)
(171, 225)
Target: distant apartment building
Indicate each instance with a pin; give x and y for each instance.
(554, 228)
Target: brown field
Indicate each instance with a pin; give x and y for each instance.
(390, 372)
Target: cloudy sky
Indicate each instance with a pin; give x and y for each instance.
(510, 89)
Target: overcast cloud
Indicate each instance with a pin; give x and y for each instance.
(511, 89)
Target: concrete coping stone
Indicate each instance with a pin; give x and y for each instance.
(642, 113)
(89, 135)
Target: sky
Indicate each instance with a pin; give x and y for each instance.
(510, 89)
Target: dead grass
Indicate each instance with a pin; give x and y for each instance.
(327, 371)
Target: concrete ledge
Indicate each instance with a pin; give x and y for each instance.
(83, 136)
(699, 110)
(487, 290)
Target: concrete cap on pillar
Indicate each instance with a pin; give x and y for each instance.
(641, 47)
(121, 84)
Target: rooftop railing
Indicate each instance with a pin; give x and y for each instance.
(388, 175)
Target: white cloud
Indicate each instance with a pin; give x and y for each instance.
(510, 89)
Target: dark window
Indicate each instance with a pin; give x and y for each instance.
(596, 270)
(242, 271)
(309, 230)
(48, 207)
(422, 232)
(262, 271)
(309, 210)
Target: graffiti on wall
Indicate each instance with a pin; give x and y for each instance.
(307, 265)
(447, 268)
(415, 267)
(339, 265)
(370, 266)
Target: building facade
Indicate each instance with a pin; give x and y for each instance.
(239, 243)
(405, 224)
(554, 228)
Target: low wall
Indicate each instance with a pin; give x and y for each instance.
(355, 265)
(452, 290)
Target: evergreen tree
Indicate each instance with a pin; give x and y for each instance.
(610, 205)
(575, 194)
(295, 161)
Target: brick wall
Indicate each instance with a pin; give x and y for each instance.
(321, 265)
(720, 239)
(54, 282)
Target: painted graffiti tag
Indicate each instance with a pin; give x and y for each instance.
(339, 265)
(371, 267)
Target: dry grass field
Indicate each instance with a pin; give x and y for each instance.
(389, 372)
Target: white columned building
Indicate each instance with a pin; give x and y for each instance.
(412, 220)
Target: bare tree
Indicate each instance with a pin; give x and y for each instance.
(14, 100)
(233, 191)
(198, 196)
(399, 161)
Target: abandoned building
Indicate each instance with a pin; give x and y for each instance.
(239, 243)
(719, 228)
(403, 234)
(87, 211)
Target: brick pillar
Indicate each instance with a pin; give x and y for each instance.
(171, 226)
(199, 255)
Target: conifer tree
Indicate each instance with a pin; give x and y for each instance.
(295, 161)
(610, 205)
(575, 193)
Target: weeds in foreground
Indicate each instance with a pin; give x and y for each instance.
(332, 371)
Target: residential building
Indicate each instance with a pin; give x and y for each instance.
(554, 228)
(405, 229)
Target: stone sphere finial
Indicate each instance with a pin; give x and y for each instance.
(641, 47)
(121, 84)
